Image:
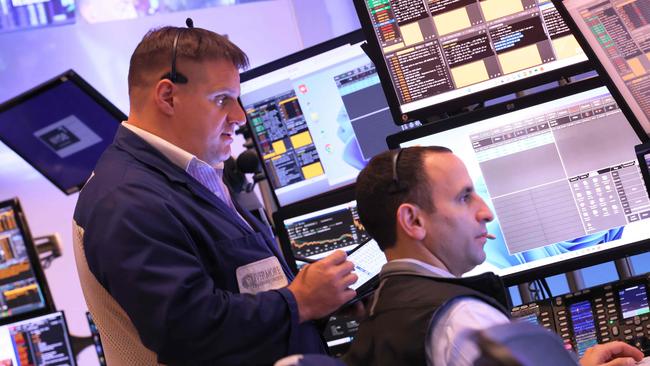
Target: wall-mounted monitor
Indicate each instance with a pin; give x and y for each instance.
(38, 341)
(61, 128)
(317, 117)
(23, 289)
(559, 171)
(615, 35)
(27, 14)
(437, 56)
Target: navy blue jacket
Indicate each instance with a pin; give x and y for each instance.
(166, 249)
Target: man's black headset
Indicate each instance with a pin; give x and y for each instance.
(174, 76)
(396, 185)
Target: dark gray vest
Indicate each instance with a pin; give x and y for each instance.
(403, 309)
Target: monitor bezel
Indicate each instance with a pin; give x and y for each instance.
(373, 49)
(596, 63)
(320, 202)
(642, 150)
(351, 38)
(551, 269)
(71, 76)
(35, 263)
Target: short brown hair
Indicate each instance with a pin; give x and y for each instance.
(154, 52)
(378, 198)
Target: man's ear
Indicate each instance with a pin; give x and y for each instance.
(164, 96)
(410, 221)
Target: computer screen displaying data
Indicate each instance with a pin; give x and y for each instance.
(618, 31)
(561, 176)
(439, 51)
(21, 291)
(39, 341)
(317, 117)
(26, 14)
(61, 128)
(317, 234)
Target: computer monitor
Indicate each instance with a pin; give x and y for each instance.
(559, 171)
(27, 14)
(614, 34)
(317, 117)
(60, 127)
(437, 56)
(23, 289)
(38, 341)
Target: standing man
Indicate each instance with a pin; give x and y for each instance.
(201, 280)
(420, 205)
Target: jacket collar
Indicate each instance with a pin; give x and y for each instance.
(486, 283)
(140, 150)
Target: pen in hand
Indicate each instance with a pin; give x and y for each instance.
(304, 259)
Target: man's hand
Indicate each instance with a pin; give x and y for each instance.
(611, 354)
(322, 287)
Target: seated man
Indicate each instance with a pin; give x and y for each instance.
(420, 205)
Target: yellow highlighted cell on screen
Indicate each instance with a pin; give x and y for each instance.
(494, 9)
(520, 59)
(636, 66)
(312, 170)
(411, 33)
(566, 47)
(469, 74)
(394, 47)
(290, 99)
(278, 147)
(301, 139)
(452, 21)
(628, 77)
(405, 51)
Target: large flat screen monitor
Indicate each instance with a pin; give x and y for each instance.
(60, 127)
(317, 117)
(436, 56)
(559, 171)
(38, 341)
(615, 33)
(23, 288)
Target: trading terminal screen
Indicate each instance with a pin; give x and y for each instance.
(317, 234)
(20, 291)
(634, 301)
(439, 50)
(584, 327)
(618, 31)
(317, 121)
(38, 341)
(26, 14)
(561, 177)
